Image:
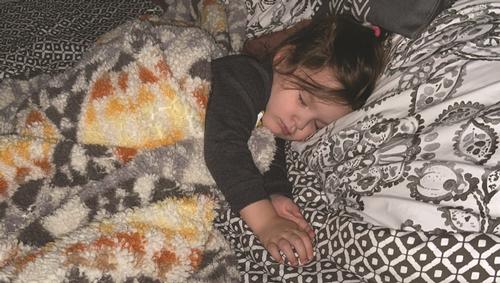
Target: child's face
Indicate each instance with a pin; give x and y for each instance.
(294, 114)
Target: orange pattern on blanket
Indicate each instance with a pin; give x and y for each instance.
(125, 154)
(164, 260)
(22, 261)
(3, 186)
(146, 75)
(163, 68)
(102, 87)
(22, 159)
(34, 123)
(101, 253)
(43, 164)
(195, 258)
(201, 96)
(142, 107)
(34, 117)
(213, 16)
(26, 156)
(21, 174)
(123, 81)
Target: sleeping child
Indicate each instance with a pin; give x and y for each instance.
(319, 74)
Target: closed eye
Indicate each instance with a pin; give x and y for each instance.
(301, 100)
(319, 124)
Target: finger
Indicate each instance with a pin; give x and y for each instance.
(288, 213)
(304, 247)
(304, 225)
(285, 246)
(300, 250)
(273, 249)
(295, 211)
(306, 228)
(311, 233)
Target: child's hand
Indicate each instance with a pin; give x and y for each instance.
(278, 233)
(283, 235)
(286, 208)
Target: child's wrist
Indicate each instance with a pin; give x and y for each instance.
(258, 214)
(277, 195)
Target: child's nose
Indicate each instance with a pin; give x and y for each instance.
(301, 123)
(304, 132)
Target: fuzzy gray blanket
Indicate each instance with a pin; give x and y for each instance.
(102, 174)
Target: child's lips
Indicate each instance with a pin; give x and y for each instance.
(284, 129)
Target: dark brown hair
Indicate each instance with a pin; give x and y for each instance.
(351, 50)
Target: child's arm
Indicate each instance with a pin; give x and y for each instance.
(238, 92)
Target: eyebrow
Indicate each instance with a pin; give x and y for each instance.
(316, 99)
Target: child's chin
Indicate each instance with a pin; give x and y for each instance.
(289, 138)
(283, 137)
(296, 138)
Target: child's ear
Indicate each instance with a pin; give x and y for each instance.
(281, 55)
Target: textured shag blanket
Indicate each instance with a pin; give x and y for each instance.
(101, 170)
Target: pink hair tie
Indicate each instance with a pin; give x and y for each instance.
(376, 30)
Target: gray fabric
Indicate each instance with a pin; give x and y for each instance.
(405, 17)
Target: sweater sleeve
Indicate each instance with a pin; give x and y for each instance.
(240, 90)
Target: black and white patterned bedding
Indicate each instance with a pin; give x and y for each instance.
(51, 35)
(406, 189)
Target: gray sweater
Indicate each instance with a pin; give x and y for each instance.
(241, 87)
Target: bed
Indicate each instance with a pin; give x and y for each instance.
(94, 189)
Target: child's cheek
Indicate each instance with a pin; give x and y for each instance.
(303, 135)
(268, 123)
(308, 131)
